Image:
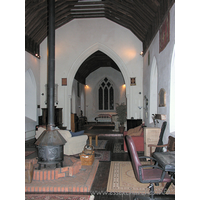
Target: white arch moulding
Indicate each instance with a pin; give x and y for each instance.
(80, 59)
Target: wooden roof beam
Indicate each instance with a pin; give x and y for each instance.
(159, 19)
(156, 2)
(148, 8)
(127, 12)
(88, 15)
(138, 9)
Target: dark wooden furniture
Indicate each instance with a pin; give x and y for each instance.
(132, 123)
(57, 116)
(167, 161)
(74, 122)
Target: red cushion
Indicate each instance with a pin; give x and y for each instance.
(138, 140)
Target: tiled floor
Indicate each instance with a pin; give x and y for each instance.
(100, 182)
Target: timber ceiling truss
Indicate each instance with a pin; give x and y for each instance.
(142, 17)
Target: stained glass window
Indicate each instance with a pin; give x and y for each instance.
(111, 98)
(100, 98)
(106, 95)
(105, 98)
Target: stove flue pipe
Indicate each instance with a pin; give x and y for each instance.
(51, 66)
(50, 142)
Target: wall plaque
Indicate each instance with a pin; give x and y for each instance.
(64, 81)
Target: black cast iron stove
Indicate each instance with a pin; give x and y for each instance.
(50, 143)
(50, 148)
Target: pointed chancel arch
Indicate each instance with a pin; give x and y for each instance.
(91, 50)
(80, 59)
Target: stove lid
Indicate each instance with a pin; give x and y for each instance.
(50, 138)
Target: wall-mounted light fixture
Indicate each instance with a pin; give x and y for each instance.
(141, 53)
(36, 55)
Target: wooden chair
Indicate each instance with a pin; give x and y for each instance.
(170, 146)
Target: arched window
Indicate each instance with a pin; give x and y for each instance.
(106, 95)
(153, 90)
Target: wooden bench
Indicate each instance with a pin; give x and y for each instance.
(103, 118)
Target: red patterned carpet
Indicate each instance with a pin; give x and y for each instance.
(56, 197)
(102, 155)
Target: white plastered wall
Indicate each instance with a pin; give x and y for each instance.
(76, 41)
(32, 94)
(163, 62)
(92, 87)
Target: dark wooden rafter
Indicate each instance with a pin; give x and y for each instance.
(128, 14)
(62, 10)
(32, 14)
(142, 17)
(141, 11)
(152, 5)
(163, 9)
(74, 10)
(36, 20)
(31, 46)
(89, 16)
(32, 32)
(155, 2)
(146, 8)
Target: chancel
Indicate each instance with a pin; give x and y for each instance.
(84, 58)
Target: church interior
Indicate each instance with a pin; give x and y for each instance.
(83, 60)
(91, 68)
